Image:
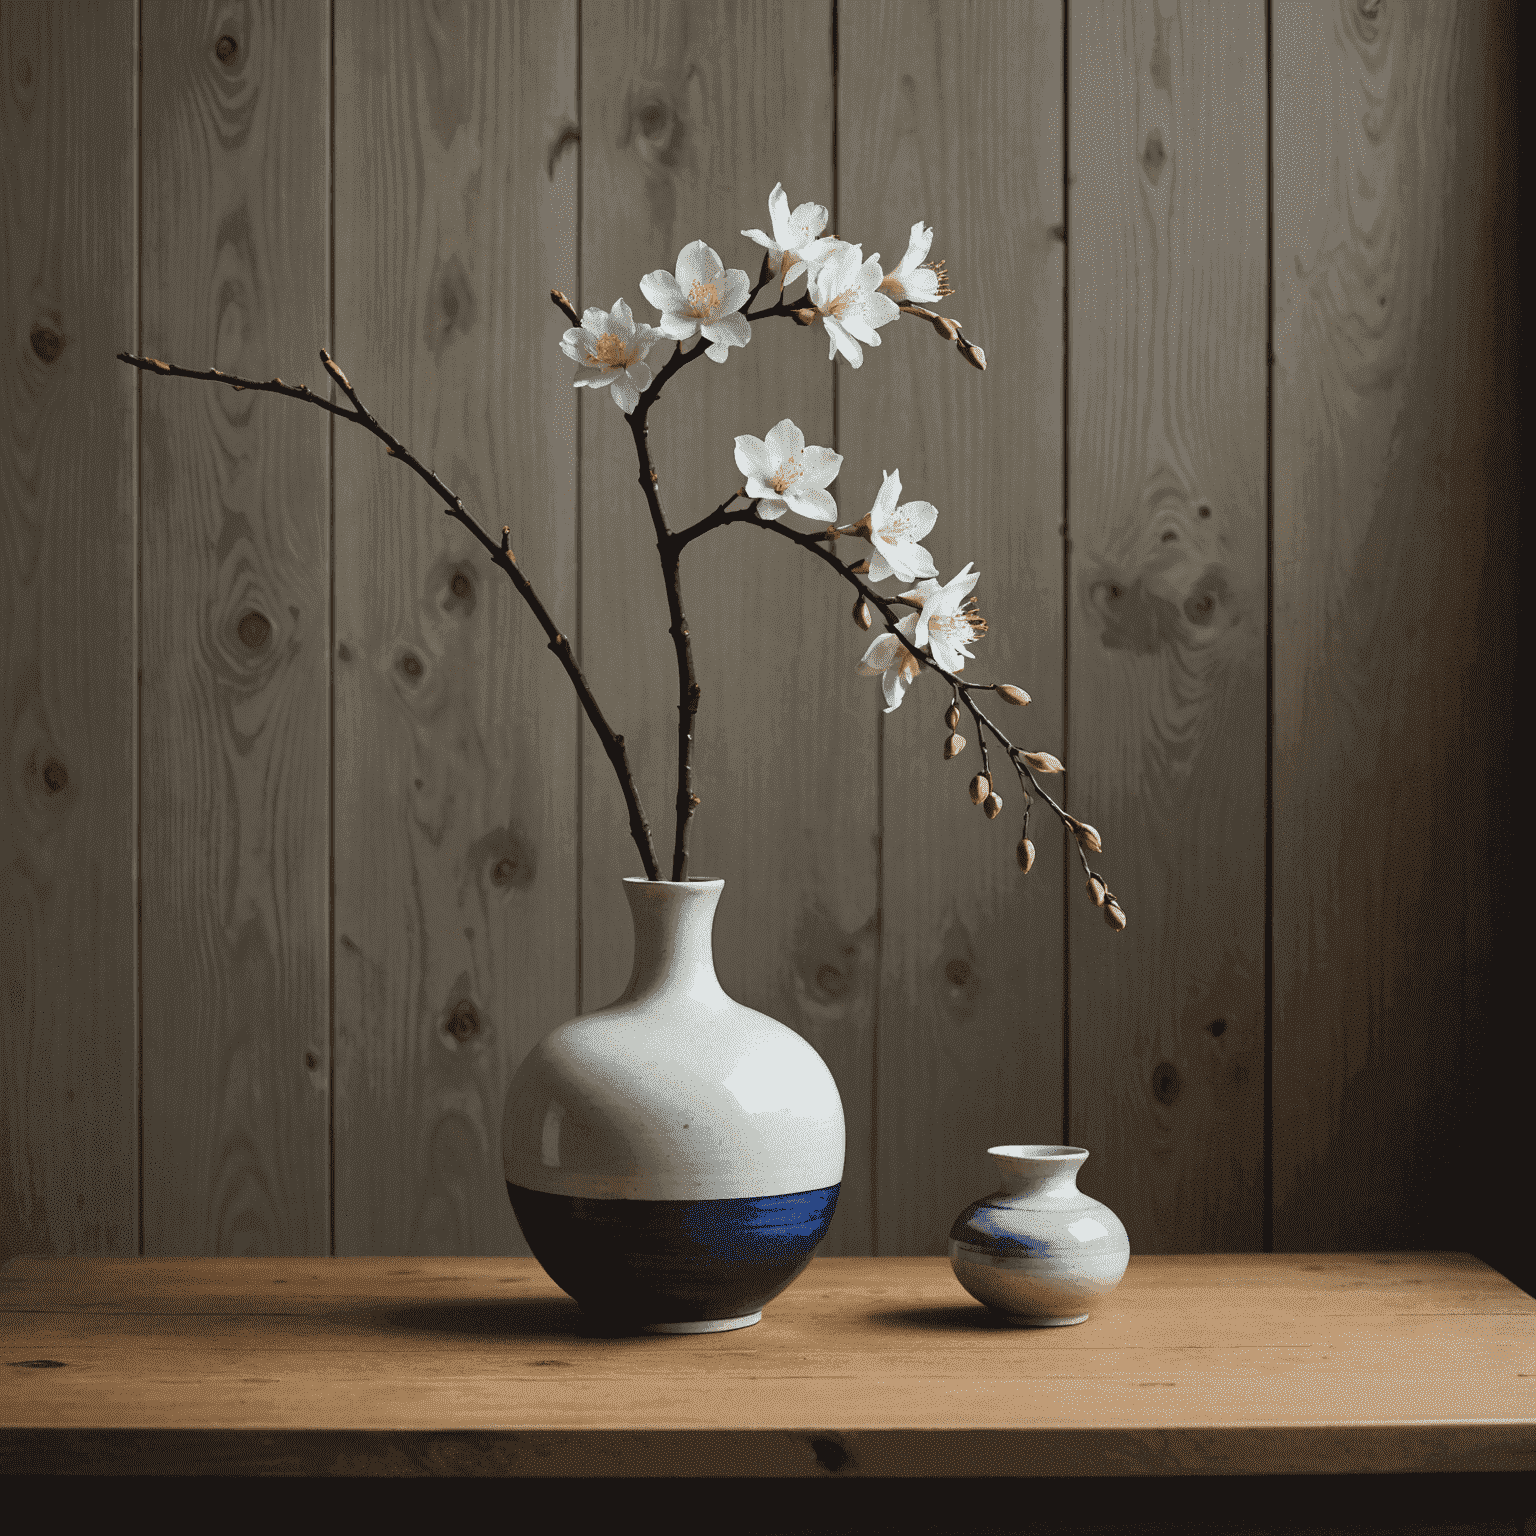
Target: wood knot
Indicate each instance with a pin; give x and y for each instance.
(226, 48)
(463, 1023)
(460, 585)
(957, 972)
(47, 343)
(831, 1456)
(254, 630)
(1217, 1028)
(831, 981)
(311, 1060)
(1167, 1084)
(504, 871)
(410, 665)
(55, 776)
(1153, 156)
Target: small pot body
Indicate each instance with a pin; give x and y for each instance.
(1038, 1250)
(673, 1159)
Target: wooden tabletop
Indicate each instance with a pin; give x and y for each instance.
(1252, 1363)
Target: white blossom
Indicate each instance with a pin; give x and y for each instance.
(889, 660)
(702, 297)
(948, 621)
(845, 290)
(913, 281)
(894, 533)
(793, 242)
(787, 476)
(610, 348)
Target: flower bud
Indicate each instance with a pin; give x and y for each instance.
(952, 716)
(953, 747)
(861, 614)
(1043, 762)
(973, 354)
(992, 805)
(1097, 890)
(1012, 694)
(1113, 915)
(1088, 837)
(860, 568)
(805, 316)
(1025, 854)
(981, 787)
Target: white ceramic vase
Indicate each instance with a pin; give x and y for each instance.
(1039, 1251)
(674, 1158)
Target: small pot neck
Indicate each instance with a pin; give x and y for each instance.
(674, 938)
(1039, 1170)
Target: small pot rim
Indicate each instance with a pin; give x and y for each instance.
(692, 883)
(1038, 1152)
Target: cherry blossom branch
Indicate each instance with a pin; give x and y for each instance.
(1025, 763)
(500, 553)
(950, 331)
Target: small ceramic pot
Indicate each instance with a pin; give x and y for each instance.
(1039, 1251)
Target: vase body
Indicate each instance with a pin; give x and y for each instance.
(1038, 1250)
(674, 1158)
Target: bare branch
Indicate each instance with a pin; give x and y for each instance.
(500, 553)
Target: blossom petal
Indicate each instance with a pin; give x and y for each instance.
(918, 246)
(593, 378)
(785, 440)
(855, 324)
(730, 330)
(946, 654)
(621, 320)
(753, 458)
(879, 567)
(661, 291)
(761, 239)
(577, 345)
(808, 221)
(881, 653)
(625, 395)
(920, 561)
(894, 686)
(761, 486)
(639, 374)
(736, 287)
(921, 286)
(880, 310)
(676, 327)
(771, 508)
(838, 271)
(778, 211)
(594, 321)
(815, 504)
(819, 467)
(885, 498)
(844, 343)
(696, 263)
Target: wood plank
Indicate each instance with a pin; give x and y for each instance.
(235, 728)
(1244, 1364)
(455, 729)
(1390, 526)
(689, 116)
(970, 1031)
(1167, 728)
(68, 220)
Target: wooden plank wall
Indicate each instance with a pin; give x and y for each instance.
(304, 842)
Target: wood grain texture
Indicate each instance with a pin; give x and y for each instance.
(1167, 729)
(1394, 518)
(234, 619)
(68, 1073)
(1248, 1364)
(690, 114)
(455, 729)
(954, 116)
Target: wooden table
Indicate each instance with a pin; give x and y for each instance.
(1229, 1367)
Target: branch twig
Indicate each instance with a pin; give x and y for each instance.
(500, 553)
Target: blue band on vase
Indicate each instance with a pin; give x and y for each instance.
(673, 1260)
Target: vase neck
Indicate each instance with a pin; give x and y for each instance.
(1050, 1172)
(674, 938)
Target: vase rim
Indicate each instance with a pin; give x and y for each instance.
(692, 883)
(1040, 1152)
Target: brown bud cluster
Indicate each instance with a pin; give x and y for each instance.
(805, 316)
(1012, 694)
(861, 615)
(1114, 915)
(1097, 890)
(981, 787)
(992, 805)
(972, 354)
(952, 717)
(1043, 762)
(1025, 854)
(1087, 836)
(953, 746)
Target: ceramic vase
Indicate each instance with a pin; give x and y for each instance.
(1038, 1250)
(674, 1158)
